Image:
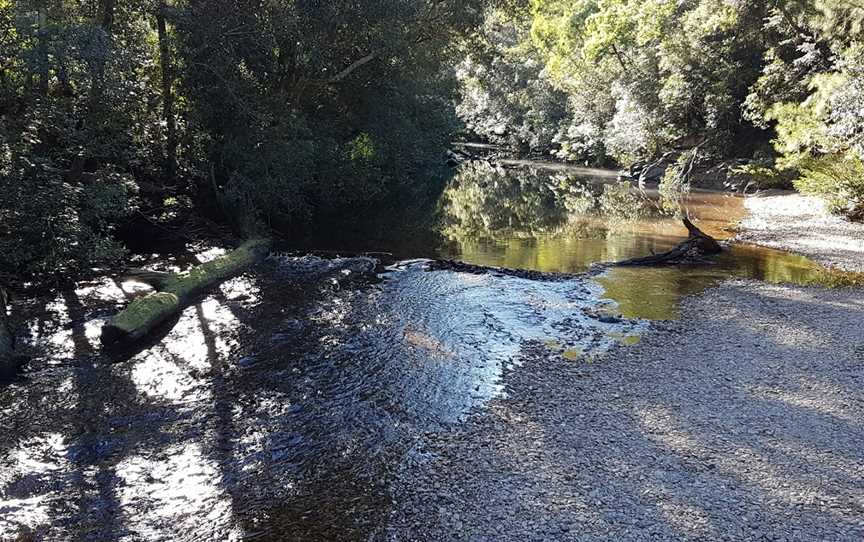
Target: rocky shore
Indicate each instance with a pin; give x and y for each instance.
(790, 221)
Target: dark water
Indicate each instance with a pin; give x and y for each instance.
(275, 409)
(280, 406)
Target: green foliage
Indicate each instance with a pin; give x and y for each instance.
(50, 227)
(620, 203)
(627, 80)
(77, 131)
(643, 76)
(839, 178)
(507, 95)
(818, 118)
(286, 115)
(317, 109)
(362, 148)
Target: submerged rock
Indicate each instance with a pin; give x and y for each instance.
(248, 361)
(311, 267)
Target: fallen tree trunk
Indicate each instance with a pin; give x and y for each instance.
(175, 291)
(693, 250)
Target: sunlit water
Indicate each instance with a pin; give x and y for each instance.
(276, 408)
(523, 219)
(279, 406)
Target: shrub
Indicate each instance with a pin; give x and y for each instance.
(764, 175)
(49, 227)
(838, 178)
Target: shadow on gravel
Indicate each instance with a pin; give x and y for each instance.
(744, 422)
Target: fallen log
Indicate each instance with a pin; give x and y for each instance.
(176, 291)
(692, 250)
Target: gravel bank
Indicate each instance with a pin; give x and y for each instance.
(742, 421)
(800, 224)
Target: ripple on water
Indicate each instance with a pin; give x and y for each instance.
(181, 442)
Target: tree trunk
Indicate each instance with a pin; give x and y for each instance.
(9, 364)
(106, 23)
(44, 62)
(176, 291)
(167, 96)
(693, 250)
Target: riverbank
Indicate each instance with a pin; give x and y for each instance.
(797, 223)
(742, 420)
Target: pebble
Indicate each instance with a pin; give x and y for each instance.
(676, 440)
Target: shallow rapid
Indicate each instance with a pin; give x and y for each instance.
(282, 405)
(276, 408)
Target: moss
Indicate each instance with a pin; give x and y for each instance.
(145, 310)
(198, 278)
(145, 313)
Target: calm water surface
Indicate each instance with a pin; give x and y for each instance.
(523, 219)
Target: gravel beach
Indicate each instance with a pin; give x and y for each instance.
(742, 420)
(800, 224)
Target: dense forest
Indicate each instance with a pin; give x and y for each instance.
(292, 116)
(778, 83)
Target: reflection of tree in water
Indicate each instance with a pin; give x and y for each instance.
(485, 201)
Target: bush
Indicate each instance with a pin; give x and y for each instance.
(838, 178)
(50, 228)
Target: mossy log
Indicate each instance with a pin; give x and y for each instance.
(693, 250)
(175, 291)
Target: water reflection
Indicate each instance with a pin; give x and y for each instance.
(656, 292)
(560, 222)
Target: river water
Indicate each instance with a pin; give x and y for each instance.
(280, 406)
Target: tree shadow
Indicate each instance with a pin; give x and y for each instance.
(674, 441)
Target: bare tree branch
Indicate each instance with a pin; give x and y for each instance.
(359, 63)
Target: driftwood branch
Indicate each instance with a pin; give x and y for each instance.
(692, 250)
(176, 291)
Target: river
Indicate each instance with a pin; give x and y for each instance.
(280, 406)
